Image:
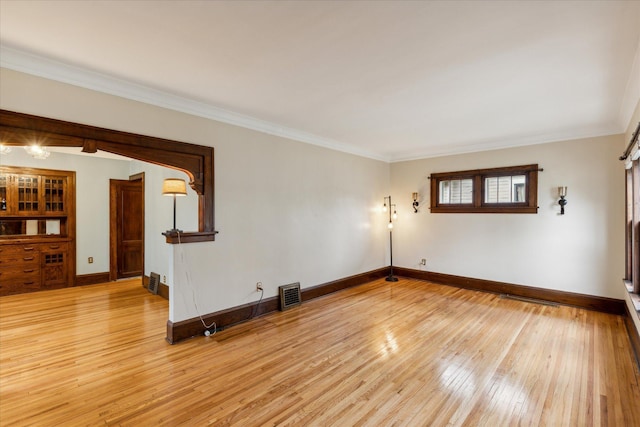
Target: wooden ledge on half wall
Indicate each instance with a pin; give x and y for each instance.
(190, 236)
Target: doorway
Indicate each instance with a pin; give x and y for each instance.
(126, 223)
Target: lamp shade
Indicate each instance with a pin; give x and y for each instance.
(174, 187)
(562, 191)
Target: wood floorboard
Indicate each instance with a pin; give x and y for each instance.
(410, 353)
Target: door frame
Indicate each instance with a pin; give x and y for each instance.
(113, 226)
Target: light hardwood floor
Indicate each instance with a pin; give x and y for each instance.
(409, 353)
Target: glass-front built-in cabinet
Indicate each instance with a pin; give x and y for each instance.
(37, 229)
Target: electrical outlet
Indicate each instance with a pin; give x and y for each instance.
(423, 261)
(259, 287)
(90, 260)
(164, 279)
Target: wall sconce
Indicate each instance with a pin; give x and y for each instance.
(392, 216)
(562, 193)
(174, 187)
(4, 149)
(37, 152)
(415, 202)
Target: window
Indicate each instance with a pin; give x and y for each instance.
(456, 191)
(632, 214)
(499, 190)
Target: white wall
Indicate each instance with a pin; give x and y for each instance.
(582, 251)
(92, 200)
(286, 211)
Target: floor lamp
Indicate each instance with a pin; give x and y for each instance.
(174, 187)
(392, 216)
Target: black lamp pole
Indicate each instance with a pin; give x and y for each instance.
(391, 277)
(174, 214)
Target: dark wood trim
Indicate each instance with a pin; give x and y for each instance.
(92, 279)
(223, 319)
(634, 334)
(478, 205)
(589, 302)
(340, 284)
(113, 231)
(189, 237)
(140, 177)
(196, 161)
(184, 329)
(163, 290)
(193, 327)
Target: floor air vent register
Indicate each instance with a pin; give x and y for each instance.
(290, 296)
(154, 281)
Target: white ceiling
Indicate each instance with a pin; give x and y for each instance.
(392, 80)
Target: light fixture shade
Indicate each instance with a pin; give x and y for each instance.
(37, 152)
(4, 149)
(174, 187)
(562, 191)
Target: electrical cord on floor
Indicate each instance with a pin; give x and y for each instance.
(207, 332)
(255, 310)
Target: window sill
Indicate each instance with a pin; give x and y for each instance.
(635, 298)
(488, 210)
(190, 237)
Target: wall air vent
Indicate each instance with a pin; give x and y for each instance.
(290, 296)
(154, 281)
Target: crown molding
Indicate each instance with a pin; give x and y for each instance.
(29, 63)
(454, 150)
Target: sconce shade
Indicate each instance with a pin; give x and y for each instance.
(562, 191)
(174, 187)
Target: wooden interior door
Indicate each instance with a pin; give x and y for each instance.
(127, 228)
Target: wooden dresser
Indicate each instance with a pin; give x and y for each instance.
(37, 229)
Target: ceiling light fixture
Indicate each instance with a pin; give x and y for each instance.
(37, 152)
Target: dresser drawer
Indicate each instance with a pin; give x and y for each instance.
(53, 247)
(17, 249)
(14, 280)
(12, 288)
(20, 258)
(19, 270)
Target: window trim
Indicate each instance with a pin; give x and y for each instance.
(478, 205)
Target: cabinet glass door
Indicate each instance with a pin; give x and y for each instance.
(27, 194)
(54, 194)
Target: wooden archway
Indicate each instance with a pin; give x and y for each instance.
(197, 161)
